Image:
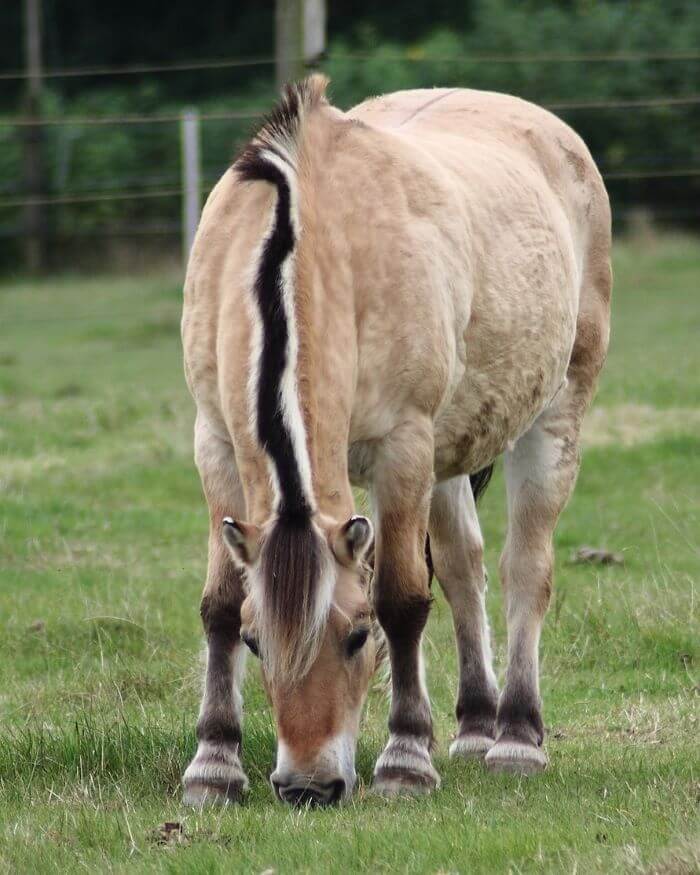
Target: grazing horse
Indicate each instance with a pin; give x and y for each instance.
(389, 297)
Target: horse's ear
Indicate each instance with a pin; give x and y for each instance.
(351, 541)
(242, 540)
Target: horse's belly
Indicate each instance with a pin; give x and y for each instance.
(492, 353)
(497, 400)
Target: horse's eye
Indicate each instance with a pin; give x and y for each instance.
(356, 641)
(251, 644)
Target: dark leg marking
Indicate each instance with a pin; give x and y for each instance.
(215, 775)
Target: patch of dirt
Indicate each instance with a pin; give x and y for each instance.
(595, 556)
(169, 833)
(630, 424)
(19, 469)
(681, 860)
(644, 723)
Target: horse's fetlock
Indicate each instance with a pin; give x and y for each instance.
(520, 718)
(216, 730)
(416, 723)
(476, 710)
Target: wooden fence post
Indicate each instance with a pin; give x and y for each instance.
(300, 37)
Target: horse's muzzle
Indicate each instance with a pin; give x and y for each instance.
(298, 790)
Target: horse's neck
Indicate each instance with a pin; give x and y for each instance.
(326, 373)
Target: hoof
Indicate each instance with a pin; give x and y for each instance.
(516, 757)
(471, 747)
(216, 779)
(199, 795)
(404, 769)
(400, 782)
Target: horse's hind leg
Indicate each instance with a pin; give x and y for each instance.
(457, 549)
(215, 774)
(540, 472)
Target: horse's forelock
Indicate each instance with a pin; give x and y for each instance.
(292, 595)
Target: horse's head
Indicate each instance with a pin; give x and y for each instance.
(307, 616)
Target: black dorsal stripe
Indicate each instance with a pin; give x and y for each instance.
(272, 430)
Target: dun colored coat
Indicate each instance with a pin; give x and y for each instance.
(390, 297)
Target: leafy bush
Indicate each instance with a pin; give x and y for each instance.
(130, 157)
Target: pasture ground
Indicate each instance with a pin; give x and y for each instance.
(102, 554)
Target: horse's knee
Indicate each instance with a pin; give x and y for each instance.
(221, 615)
(402, 616)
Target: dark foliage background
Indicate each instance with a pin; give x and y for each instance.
(372, 48)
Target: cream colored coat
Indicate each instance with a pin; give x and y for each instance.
(452, 241)
(452, 286)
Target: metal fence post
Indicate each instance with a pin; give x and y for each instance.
(191, 179)
(34, 220)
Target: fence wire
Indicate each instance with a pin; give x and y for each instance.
(257, 112)
(412, 57)
(177, 191)
(169, 187)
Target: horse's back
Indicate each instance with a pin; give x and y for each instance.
(485, 117)
(486, 130)
(531, 204)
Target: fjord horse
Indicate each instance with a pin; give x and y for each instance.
(390, 297)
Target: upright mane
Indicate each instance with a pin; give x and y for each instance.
(293, 590)
(281, 128)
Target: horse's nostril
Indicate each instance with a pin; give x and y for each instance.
(337, 790)
(301, 796)
(311, 794)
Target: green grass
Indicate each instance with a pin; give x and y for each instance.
(102, 556)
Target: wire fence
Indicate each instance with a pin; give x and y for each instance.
(169, 191)
(168, 186)
(413, 57)
(129, 119)
(257, 112)
(112, 192)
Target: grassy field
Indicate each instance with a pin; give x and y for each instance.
(102, 556)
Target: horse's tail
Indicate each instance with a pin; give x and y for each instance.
(480, 480)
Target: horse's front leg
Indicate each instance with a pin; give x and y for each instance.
(402, 483)
(215, 774)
